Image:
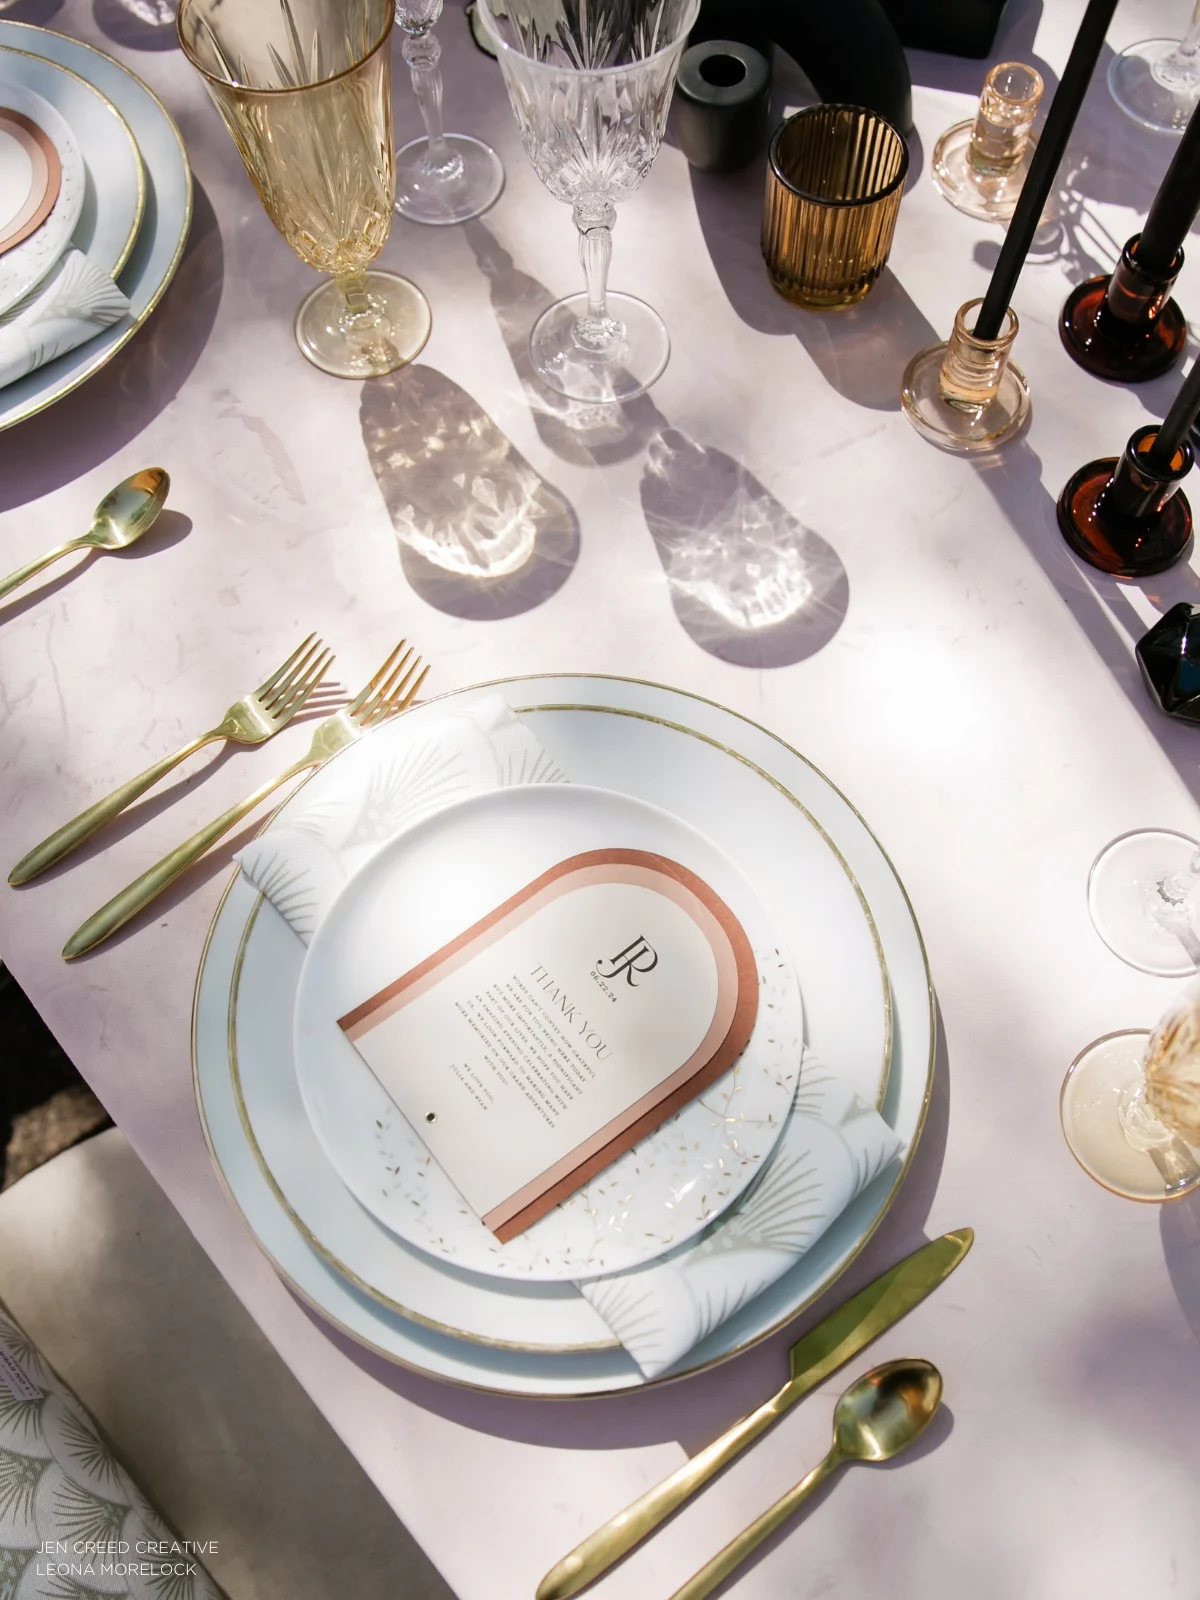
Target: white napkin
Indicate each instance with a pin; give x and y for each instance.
(832, 1147)
(74, 304)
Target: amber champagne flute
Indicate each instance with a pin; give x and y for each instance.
(304, 87)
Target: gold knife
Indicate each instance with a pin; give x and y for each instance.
(832, 1343)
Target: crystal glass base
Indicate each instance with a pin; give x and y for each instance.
(990, 199)
(1146, 353)
(1141, 95)
(1159, 544)
(965, 432)
(398, 334)
(620, 372)
(1098, 1083)
(472, 183)
(1123, 890)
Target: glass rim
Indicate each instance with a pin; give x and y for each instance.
(298, 88)
(503, 48)
(824, 200)
(1037, 84)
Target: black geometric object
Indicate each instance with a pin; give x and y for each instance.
(1169, 656)
(722, 97)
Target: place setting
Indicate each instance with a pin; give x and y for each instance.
(95, 206)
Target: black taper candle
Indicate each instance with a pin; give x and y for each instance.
(1052, 143)
(1178, 420)
(1175, 205)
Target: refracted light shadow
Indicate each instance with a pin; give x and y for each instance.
(481, 534)
(1179, 1226)
(582, 434)
(749, 583)
(137, 24)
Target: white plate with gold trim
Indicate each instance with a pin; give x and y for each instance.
(24, 266)
(456, 866)
(544, 1339)
(145, 256)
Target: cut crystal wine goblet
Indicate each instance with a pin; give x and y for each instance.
(440, 177)
(591, 87)
(1157, 81)
(305, 89)
(1130, 1106)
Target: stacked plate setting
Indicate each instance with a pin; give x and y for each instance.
(124, 196)
(835, 907)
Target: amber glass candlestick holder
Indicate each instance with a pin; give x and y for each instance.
(980, 165)
(1127, 514)
(1126, 326)
(967, 395)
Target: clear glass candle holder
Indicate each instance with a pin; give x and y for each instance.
(967, 395)
(980, 165)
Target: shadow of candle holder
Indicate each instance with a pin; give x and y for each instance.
(481, 534)
(749, 583)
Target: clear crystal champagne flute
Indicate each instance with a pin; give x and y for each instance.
(304, 87)
(1130, 1106)
(440, 177)
(1157, 81)
(591, 86)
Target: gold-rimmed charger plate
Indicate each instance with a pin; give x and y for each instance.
(592, 1365)
(150, 251)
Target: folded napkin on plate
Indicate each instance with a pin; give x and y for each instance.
(833, 1144)
(74, 304)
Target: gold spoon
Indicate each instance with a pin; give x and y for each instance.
(120, 519)
(877, 1417)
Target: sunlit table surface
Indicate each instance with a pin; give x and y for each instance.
(968, 684)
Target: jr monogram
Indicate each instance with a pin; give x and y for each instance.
(630, 960)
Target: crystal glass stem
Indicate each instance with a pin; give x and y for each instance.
(1179, 71)
(423, 53)
(595, 219)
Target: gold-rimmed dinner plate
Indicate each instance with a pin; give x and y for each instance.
(710, 766)
(145, 248)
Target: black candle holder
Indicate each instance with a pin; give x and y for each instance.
(1126, 326)
(1127, 515)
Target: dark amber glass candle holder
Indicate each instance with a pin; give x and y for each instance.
(1127, 514)
(1126, 326)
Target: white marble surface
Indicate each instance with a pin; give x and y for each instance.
(978, 700)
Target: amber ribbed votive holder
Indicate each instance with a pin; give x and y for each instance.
(834, 182)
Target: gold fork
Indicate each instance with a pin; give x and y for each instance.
(250, 720)
(392, 690)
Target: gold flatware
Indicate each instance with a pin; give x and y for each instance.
(120, 519)
(391, 691)
(835, 1340)
(879, 1416)
(251, 720)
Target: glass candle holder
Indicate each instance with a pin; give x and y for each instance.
(980, 165)
(967, 395)
(834, 182)
(1125, 326)
(1127, 515)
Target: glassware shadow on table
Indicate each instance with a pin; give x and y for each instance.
(590, 88)
(1130, 1106)
(1157, 81)
(441, 178)
(304, 87)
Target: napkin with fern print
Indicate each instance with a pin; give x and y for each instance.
(832, 1146)
(76, 303)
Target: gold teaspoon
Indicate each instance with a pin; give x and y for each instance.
(120, 519)
(879, 1416)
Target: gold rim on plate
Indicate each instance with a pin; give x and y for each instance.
(106, 355)
(454, 1333)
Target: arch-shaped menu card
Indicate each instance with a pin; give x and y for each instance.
(548, 1038)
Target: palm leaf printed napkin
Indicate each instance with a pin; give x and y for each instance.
(833, 1144)
(73, 1525)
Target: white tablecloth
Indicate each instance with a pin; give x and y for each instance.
(977, 699)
